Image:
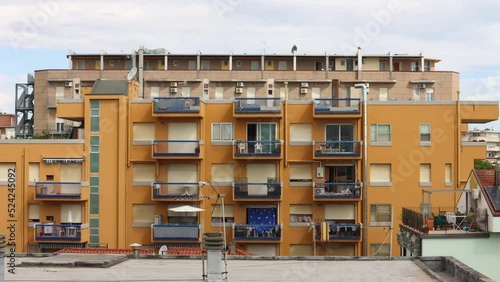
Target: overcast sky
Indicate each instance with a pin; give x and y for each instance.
(464, 34)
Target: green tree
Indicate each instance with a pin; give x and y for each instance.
(482, 164)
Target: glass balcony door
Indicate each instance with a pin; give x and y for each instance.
(341, 135)
(261, 132)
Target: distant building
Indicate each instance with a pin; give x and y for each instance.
(7, 126)
(490, 136)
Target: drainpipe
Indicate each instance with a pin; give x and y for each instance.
(141, 71)
(459, 144)
(360, 62)
(365, 164)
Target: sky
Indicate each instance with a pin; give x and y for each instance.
(464, 34)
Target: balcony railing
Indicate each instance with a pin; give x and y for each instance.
(176, 105)
(172, 148)
(257, 148)
(257, 105)
(256, 232)
(438, 221)
(176, 190)
(176, 232)
(58, 190)
(58, 232)
(325, 106)
(337, 148)
(339, 231)
(246, 190)
(330, 190)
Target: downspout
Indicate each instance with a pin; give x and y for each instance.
(141, 71)
(360, 62)
(285, 152)
(459, 144)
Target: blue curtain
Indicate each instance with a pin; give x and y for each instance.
(261, 216)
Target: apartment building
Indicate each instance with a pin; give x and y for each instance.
(490, 137)
(284, 141)
(7, 126)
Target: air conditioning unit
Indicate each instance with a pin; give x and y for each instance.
(68, 83)
(173, 90)
(304, 85)
(239, 90)
(422, 86)
(303, 91)
(240, 84)
(173, 84)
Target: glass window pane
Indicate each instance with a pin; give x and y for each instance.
(94, 163)
(94, 124)
(373, 132)
(384, 128)
(425, 128)
(215, 131)
(226, 132)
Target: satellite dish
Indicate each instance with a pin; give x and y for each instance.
(131, 74)
(163, 250)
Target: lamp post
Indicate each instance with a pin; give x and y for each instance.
(364, 86)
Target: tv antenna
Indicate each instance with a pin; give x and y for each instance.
(131, 74)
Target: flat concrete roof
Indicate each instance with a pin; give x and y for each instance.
(52, 269)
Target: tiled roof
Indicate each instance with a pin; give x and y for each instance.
(175, 251)
(486, 177)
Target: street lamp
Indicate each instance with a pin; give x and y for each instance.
(364, 86)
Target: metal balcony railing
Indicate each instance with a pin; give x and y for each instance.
(267, 190)
(258, 148)
(58, 232)
(176, 105)
(257, 105)
(58, 190)
(175, 190)
(337, 148)
(331, 190)
(257, 232)
(337, 106)
(176, 232)
(170, 148)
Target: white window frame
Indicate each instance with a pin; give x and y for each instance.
(374, 135)
(377, 222)
(427, 182)
(219, 139)
(422, 134)
(381, 183)
(111, 63)
(300, 219)
(176, 63)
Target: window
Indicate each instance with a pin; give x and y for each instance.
(254, 65)
(342, 62)
(205, 65)
(447, 175)
(80, 64)
(282, 65)
(382, 66)
(380, 215)
(217, 215)
(143, 215)
(71, 213)
(429, 94)
(111, 63)
(222, 131)
(222, 174)
(71, 172)
(219, 93)
(143, 173)
(144, 131)
(425, 134)
(300, 215)
(380, 175)
(238, 63)
(380, 250)
(33, 212)
(4, 172)
(130, 64)
(34, 172)
(192, 65)
(382, 94)
(94, 116)
(380, 133)
(300, 134)
(425, 174)
(427, 66)
(176, 63)
(301, 173)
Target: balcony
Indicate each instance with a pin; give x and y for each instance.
(257, 191)
(440, 222)
(176, 149)
(257, 232)
(58, 232)
(331, 191)
(177, 107)
(337, 149)
(257, 149)
(336, 107)
(176, 191)
(338, 231)
(72, 109)
(257, 107)
(58, 190)
(175, 232)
